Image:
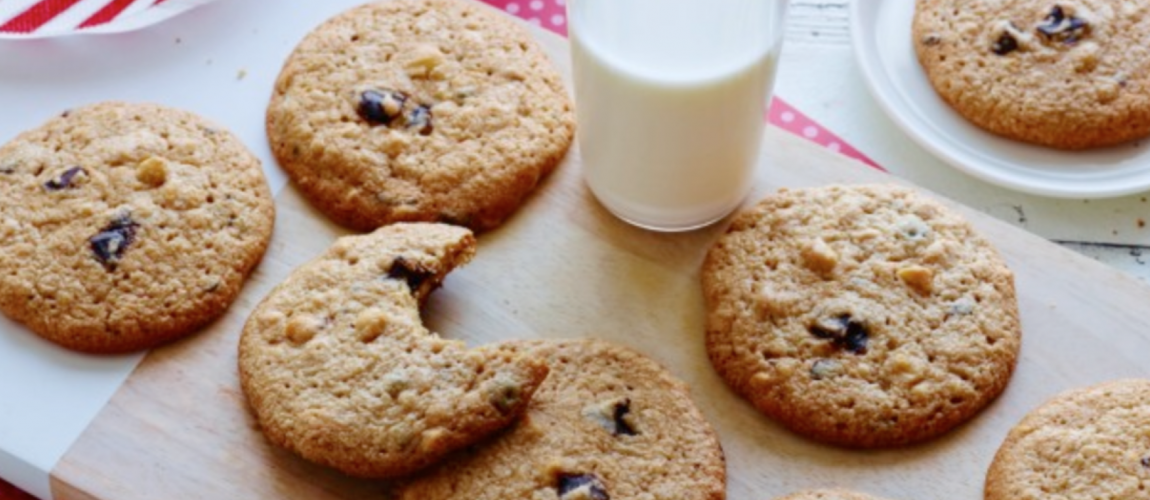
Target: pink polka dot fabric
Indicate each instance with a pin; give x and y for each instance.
(792, 120)
(552, 14)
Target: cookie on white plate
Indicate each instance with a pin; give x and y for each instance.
(1068, 74)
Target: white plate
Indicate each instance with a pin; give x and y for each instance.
(881, 30)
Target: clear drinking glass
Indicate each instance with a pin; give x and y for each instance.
(670, 98)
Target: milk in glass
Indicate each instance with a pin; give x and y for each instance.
(670, 97)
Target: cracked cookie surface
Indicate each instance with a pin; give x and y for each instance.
(865, 316)
(1069, 74)
(123, 226)
(1083, 444)
(419, 110)
(607, 423)
(339, 368)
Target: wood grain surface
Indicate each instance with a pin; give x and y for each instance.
(563, 267)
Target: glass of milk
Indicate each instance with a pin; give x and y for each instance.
(670, 97)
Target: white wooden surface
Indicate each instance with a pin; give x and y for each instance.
(563, 267)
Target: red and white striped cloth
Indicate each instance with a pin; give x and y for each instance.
(48, 18)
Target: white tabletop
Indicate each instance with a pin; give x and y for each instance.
(819, 76)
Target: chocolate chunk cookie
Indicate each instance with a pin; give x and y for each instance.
(123, 226)
(419, 110)
(338, 367)
(1069, 74)
(607, 423)
(828, 495)
(1090, 443)
(863, 316)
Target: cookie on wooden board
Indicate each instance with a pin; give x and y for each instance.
(607, 423)
(419, 110)
(1088, 443)
(1069, 74)
(338, 367)
(123, 226)
(863, 316)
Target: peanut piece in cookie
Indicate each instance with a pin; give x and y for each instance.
(153, 171)
(917, 277)
(819, 257)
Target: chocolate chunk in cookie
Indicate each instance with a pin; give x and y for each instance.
(113, 240)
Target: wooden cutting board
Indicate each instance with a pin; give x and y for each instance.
(563, 267)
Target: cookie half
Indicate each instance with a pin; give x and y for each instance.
(419, 110)
(1068, 74)
(339, 369)
(835, 494)
(864, 316)
(607, 423)
(1086, 443)
(123, 226)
